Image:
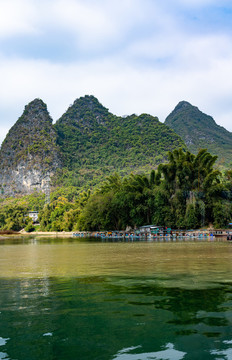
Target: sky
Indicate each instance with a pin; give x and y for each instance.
(135, 56)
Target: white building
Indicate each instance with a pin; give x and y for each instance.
(33, 215)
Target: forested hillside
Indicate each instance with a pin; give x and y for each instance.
(200, 131)
(95, 142)
(89, 143)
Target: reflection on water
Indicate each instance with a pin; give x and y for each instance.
(168, 353)
(224, 354)
(115, 301)
(189, 264)
(2, 343)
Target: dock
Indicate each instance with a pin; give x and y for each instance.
(155, 235)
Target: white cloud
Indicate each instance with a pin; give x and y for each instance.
(17, 17)
(96, 24)
(121, 86)
(89, 22)
(205, 51)
(146, 60)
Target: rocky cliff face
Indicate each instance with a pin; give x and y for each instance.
(29, 154)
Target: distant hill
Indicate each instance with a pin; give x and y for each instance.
(29, 153)
(94, 142)
(199, 130)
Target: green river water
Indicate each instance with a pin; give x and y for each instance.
(80, 299)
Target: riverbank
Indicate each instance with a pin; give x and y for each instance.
(176, 234)
(48, 233)
(7, 233)
(52, 233)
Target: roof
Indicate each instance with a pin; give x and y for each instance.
(148, 226)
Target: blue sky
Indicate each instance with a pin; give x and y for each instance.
(135, 56)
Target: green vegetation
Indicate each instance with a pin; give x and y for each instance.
(32, 138)
(88, 144)
(95, 143)
(185, 192)
(199, 131)
(13, 211)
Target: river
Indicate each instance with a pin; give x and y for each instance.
(81, 299)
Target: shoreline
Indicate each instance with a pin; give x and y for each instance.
(206, 233)
(51, 233)
(5, 235)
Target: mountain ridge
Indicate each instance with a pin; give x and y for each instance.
(88, 143)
